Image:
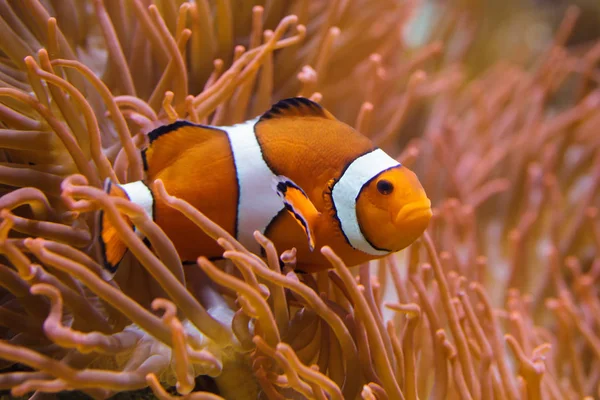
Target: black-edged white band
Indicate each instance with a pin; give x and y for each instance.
(258, 203)
(141, 195)
(345, 194)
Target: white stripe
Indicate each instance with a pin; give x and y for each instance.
(258, 203)
(141, 195)
(346, 190)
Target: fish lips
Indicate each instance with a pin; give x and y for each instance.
(415, 212)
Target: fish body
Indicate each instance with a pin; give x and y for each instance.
(296, 174)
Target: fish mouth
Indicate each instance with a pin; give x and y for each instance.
(416, 211)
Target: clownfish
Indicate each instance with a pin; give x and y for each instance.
(296, 174)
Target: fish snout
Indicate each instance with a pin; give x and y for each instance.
(415, 212)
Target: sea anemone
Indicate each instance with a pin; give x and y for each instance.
(498, 299)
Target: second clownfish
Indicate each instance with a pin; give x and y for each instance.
(296, 174)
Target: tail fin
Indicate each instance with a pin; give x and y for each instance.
(112, 247)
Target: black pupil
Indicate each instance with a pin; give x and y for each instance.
(385, 187)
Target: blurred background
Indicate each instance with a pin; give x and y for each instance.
(494, 104)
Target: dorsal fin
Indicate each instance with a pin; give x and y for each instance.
(296, 107)
(167, 142)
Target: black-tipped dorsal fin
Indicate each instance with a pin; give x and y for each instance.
(296, 107)
(167, 142)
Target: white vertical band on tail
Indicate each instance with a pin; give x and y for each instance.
(258, 203)
(141, 195)
(346, 190)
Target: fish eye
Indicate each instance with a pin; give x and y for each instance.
(385, 187)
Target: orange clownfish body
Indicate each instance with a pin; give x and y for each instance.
(296, 174)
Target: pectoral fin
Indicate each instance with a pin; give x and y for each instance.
(299, 206)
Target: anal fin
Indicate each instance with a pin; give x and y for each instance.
(299, 206)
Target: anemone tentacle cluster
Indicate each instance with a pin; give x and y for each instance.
(498, 299)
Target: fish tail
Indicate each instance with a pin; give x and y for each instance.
(113, 249)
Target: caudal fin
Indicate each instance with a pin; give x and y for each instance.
(112, 247)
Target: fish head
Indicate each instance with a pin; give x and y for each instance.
(392, 209)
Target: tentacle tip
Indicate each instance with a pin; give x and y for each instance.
(290, 19)
(326, 251)
(184, 388)
(38, 288)
(301, 29)
(202, 262)
(33, 243)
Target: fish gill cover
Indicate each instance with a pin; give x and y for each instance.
(496, 109)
